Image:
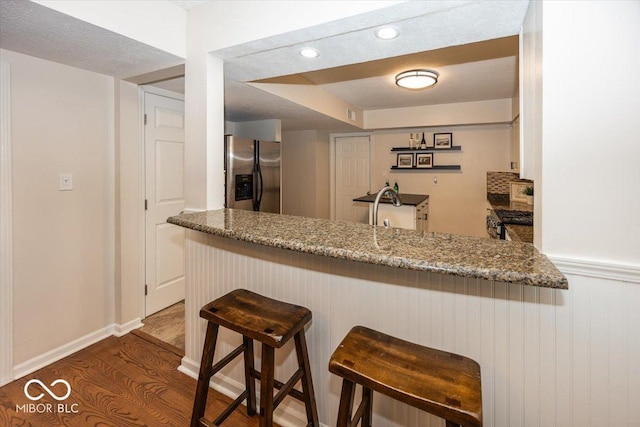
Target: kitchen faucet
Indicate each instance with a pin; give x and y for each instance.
(395, 199)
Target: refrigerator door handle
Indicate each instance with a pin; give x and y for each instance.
(257, 177)
(259, 188)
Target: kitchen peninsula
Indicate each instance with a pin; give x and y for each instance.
(441, 290)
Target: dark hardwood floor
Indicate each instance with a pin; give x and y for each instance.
(167, 325)
(126, 381)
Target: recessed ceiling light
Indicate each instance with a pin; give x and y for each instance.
(387, 33)
(309, 52)
(417, 79)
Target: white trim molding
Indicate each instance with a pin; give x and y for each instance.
(6, 228)
(56, 354)
(123, 329)
(597, 269)
(161, 92)
(69, 348)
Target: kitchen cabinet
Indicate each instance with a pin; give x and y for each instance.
(422, 216)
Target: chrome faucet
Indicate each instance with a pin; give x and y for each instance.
(395, 199)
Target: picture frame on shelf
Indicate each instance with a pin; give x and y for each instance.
(404, 161)
(442, 141)
(424, 160)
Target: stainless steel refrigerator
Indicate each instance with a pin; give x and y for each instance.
(252, 174)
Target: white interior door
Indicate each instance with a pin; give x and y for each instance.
(353, 164)
(164, 172)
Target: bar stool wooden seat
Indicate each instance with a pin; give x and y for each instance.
(444, 384)
(273, 323)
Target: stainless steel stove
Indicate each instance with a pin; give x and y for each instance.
(498, 218)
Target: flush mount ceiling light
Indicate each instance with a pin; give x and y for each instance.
(309, 52)
(387, 33)
(417, 79)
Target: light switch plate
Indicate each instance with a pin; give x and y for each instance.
(66, 182)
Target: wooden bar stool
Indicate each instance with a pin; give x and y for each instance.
(444, 384)
(272, 323)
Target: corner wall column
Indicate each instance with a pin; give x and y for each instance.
(6, 229)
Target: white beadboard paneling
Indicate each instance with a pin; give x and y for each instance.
(632, 320)
(563, 357)
(548, 357)
(515, 325)
(547, 322)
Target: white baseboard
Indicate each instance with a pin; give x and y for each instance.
(65, 350)
(285, 417)
(189, 367)
(120, 330)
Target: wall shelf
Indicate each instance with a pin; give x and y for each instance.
(426, 150)
(431, 169)
(401, 150)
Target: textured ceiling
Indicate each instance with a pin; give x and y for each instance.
(469, 43)
(472, 44)
(35, 30)
(188, 4)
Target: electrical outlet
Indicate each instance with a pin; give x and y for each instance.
(65, 182)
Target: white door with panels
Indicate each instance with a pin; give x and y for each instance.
(164, 197)
(353, 164)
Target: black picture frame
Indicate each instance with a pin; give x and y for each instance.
(404, 160)
(442, 141)
(424, 160)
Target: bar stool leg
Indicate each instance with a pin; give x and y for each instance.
(266, 386)
(307, 383)
(202, 388)
(451, 424)
(367, 395)
(250, 381)
(346, 403)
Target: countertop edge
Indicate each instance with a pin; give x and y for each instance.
(529, 279)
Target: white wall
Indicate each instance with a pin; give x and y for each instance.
(478, 112)
(63, 259)
(589, 176)
(305, 173)
(531, 115)
(457, 203)
(6, 228)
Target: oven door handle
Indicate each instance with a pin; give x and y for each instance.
(491, 228)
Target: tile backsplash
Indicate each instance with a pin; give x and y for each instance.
(498, 182)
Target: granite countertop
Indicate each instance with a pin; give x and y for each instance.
(407, 199)
(424, 251)
(518, 233)
(501, 201)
